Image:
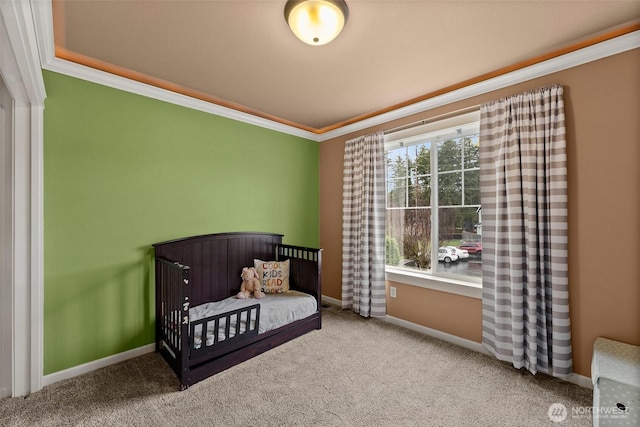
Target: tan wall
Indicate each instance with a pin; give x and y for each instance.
(602, 106)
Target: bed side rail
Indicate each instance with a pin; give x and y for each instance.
(172, 309)
(304, 270)
(223, 332)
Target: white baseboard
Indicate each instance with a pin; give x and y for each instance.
(331, 301)
(580, 380)
(462, 342)
(150, 348)
(97, 364)
(5, 392)
(577, 379)
(120, 357)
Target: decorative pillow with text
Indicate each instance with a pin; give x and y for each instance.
(274, 275)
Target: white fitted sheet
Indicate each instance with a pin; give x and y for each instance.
(276, 310)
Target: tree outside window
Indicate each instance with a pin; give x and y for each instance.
(415, 192)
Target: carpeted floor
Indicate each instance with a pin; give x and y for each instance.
(353, 372)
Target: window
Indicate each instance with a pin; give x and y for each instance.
(433, 199)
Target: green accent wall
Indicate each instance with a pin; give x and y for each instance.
(121, 172)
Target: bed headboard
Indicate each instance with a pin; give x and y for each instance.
(216, 260)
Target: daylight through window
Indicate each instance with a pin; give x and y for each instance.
(433, 199)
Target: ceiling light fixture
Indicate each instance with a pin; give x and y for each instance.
(316, 22)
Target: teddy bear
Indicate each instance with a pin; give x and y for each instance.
(250, 284)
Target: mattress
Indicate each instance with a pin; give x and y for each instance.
(276, 310)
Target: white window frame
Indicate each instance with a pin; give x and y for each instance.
(463, 124)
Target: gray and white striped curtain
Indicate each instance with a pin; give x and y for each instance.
(363, 226)
(523, 185)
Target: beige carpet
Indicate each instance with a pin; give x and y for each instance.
(353, 372)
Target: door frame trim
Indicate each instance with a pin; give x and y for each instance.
(22, 75)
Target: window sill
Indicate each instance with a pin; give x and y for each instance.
(436, 283)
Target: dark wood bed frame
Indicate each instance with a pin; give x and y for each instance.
(200, 269)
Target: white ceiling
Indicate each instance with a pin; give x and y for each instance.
(241, 53)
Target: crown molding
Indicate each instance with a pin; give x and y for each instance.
(43, 19)
(582, 56)
(106, 79)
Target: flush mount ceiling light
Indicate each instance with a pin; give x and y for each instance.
(316, 22)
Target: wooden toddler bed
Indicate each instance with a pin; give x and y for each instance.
(202, 328)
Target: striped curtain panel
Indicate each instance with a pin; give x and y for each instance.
(363, 226)
(523, 186)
